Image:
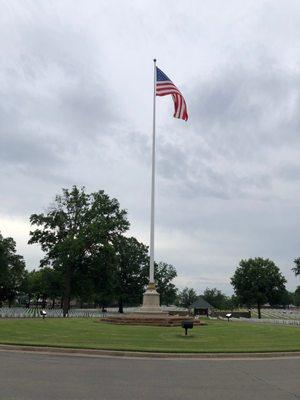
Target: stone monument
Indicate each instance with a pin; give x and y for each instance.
(151, 300)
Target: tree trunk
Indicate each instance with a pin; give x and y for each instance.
(53, 303)
(29, 302)
(67, 292)
(258, 309)
(121, 311)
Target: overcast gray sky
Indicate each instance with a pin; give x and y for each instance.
(76, 108)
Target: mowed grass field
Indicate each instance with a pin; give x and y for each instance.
(85, 333)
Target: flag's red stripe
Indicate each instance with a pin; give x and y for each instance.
(165, 88)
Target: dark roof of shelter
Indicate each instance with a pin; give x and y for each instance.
(201, 303)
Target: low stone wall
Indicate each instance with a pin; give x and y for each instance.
(180, 313)
(148, 319)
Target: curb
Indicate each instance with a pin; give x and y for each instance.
(153, 355)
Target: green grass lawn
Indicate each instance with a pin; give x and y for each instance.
(216, 336)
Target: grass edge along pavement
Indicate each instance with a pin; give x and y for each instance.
(215, 337)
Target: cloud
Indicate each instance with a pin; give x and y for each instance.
(76, 108)
(241, 120)
(55, 102)
(246, 105)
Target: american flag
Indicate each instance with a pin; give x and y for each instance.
(165, 86)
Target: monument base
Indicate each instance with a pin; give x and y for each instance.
(151, 303)
(150, 313)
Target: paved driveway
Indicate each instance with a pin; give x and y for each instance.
(31, 376)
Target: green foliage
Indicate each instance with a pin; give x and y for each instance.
(44, 284)
(78, 232)
(297, 297)
(132, 271)
(217, 299)
(258, 281)
(296, 268)
(12, 270)
(186, 297)
(233, 302)
(164, 274)
(82, 238)
(131, 261)
(285, 299)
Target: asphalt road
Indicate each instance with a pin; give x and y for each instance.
(31, 376)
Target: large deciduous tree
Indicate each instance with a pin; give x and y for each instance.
(186, 297)
(216, 298)
(297, 297)
(257, 281)
(164, 274)
(132, 273)
(78, 230)
(12, 270)
(131, 260)
(44, 284)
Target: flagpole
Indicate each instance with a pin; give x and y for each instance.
(151, 299)
(151, 272)
(151, 303)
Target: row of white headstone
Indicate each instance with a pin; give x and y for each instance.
(274, 313)
(19, 312)
(277, 321)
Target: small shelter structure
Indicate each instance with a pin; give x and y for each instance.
(200, 307)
